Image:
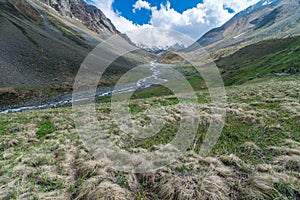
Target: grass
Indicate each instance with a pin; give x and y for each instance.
(260, 59)
(3, 127)
(45, 128)
(257, 155)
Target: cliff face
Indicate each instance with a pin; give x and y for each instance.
(89, 15)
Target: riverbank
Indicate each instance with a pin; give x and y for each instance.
(154, 71)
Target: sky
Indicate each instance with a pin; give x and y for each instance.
(169, 20)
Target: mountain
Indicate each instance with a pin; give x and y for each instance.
(89, 15)
(268, 19)
(157, 49)
(44, 42)
(42, 45)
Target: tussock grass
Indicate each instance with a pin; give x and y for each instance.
(257, 156)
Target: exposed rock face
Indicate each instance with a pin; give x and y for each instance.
(268, 19)
(91, 16)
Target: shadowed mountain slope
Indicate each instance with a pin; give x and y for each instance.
(43, 44)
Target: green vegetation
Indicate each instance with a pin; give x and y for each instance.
(261, 59)
(45, 128)
(3, 127)
(257, 155)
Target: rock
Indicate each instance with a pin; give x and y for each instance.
(235, 67)
(89, 15)
(292, 71)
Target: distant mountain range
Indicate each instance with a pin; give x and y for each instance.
(268, 19)
(157, 49)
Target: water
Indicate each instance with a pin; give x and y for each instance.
(143, 83)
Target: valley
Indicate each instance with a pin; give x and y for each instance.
(59, 140)
(66, 100)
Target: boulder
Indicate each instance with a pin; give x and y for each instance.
(292, 70)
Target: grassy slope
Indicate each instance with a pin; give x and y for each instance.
(260, 59)
(258, 153)
(253, 61)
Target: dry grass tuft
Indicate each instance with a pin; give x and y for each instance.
(290, 163)
(107, 190)
(193, 177)
(87, 169)
(260, 186)
(213, 187)
(87, 187)
(233, 160)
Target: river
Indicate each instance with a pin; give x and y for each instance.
(142, 83)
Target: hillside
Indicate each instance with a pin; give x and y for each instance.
(39, 44)
(276, 57)
(257, 155)
(266, 58)
(268, 19)
(43, 45)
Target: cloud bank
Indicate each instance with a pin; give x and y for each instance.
(193, 22)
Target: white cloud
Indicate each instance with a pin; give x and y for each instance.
(122, 24)
(150, 36)
(193, 22)
(198, 20)
(141, 4)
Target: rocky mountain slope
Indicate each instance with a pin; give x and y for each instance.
(89, 15)
(268, 19)
(43, 44)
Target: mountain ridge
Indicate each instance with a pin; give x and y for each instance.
(89, 15)
(264, 20)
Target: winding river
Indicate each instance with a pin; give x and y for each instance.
(143, 83)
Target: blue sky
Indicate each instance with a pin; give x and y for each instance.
(192, 18)
(143, 16)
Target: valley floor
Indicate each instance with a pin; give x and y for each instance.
(257, 156)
